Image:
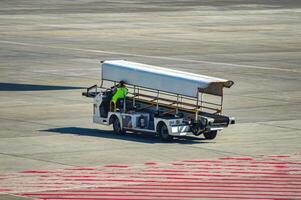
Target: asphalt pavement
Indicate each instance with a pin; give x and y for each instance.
(50, 51)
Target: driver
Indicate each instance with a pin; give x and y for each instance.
(119, 93)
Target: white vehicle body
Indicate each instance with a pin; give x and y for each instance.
(161, 98)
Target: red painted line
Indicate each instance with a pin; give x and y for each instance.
(47, 183)
(231, 161)
(236, 164)
(105, 198)
(163, 198)
(148, 173)
(256, 180)
(113, 180)
(233, 177)
(180, 190)
(77, 176)
(182, 178)
(206, 173)
(165, 170)
(197, 187)
(82, 168)
(231, 174)
(5, 190)
(275, 156)
(203, 183)
(279, 169)
(280, 166)
(236, 158)
(256, 172)
(281, 174)
(180, 164)
(168, 171)
(251, 180)
(202, 173)
(276, 162)
(35, 172)
(117, 166)
(244, 167)
(44, 186)
(202, 161)
(150, 163)
(230, 181)
(159, 194)
(240, 165)
(162, 194)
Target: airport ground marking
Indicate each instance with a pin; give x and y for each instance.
(263, 177)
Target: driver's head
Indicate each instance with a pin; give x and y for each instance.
(121, 84)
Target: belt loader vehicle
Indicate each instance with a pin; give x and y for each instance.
(161, 101)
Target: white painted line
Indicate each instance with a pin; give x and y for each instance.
(154, 57)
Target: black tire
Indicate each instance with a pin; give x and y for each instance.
(117, 126)
(210, 135)
(162, 131)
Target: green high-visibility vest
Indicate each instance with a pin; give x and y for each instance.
(120, 94)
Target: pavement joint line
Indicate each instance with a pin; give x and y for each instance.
(264, 98)
(245, 123)
(285, 127)
(19, 156)
(69, 76)
(75, 102)
(30, 105)
(83, 151)
(259, 107)
(149, 56)
(26, 121)
(268, 92)
(28, 136)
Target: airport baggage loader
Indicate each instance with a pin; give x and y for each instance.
(160, 101)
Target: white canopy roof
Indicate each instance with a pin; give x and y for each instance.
(163, 79)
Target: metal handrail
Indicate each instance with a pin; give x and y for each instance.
(140, 93)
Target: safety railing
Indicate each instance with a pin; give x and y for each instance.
(174, 102)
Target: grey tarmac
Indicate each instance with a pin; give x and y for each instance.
(50, 51)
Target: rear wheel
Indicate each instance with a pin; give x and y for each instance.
(117, 126)
(196, 130)
(163, 133)
(210, 135)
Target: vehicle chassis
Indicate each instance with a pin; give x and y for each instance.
(162, 113)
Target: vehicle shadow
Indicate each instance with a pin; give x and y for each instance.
(129, 136)
(31, 87)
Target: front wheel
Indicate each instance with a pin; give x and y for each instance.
(163, 133)
(117, 126)
(210, 135)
